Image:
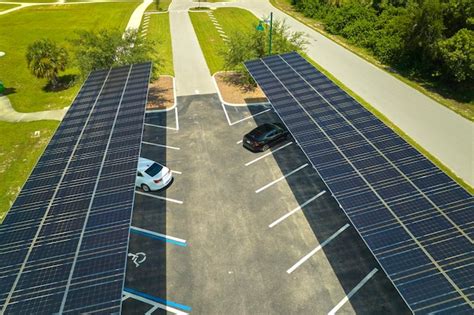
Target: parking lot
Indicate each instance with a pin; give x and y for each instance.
(240, 232)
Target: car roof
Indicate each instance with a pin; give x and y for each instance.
(144, 164)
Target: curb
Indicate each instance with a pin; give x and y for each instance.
(233, 104)
(174, 97)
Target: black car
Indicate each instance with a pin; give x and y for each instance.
(265, 136)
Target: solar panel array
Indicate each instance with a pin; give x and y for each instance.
(63, 244)
(416, 220)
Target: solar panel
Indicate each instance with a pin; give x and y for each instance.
(63, 244)
(415, 219)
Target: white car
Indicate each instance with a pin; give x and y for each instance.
(152, 175)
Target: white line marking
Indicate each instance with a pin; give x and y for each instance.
(153, 303)
(159, 234)
(353, 291)
(154, 308)
(196, 91)
(158, 126)
(267, 154)
(314, 251)
(281, 178)
(296, 209)
(159, 197)
(176, 172)
(125, 296)
(240, 141)
(259, 113)
(161, 145)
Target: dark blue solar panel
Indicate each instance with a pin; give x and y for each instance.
(63, 244)
(415, 219)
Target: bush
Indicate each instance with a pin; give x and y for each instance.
(457, 54)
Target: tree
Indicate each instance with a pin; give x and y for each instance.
(245, 46)
(108, 48)
(45, 59)
(457, 54)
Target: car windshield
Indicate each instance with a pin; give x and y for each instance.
(154, 169)
(260, 132)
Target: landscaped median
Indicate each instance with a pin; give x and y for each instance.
(156, 27)
(213, 29)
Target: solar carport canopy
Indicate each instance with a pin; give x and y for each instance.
(417, 221)
(63, 244)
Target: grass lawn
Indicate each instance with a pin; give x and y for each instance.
(57, 22)
(19, 152)
(231, 20)
(461, 101)
(159, 31)
(6, 6)
(162, 5)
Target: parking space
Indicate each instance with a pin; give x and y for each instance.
(240, 232)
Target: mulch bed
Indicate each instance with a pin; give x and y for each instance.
(238, 94)
(160, 94)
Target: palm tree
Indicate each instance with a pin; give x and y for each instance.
(45, 59)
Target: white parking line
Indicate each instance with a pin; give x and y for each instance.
(267, 154)
(176, 172)
(153, 303)
(353, 291)
(314, 251)
(296, 209)
(239, 142)
(281, 178)
(159, 197)
(161, 145)
(243, 119)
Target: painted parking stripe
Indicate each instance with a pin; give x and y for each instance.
(153, 300)
(159, 197)
(176, 172)
(239, 142)
(161, 145)
(249, 117)
(267, 154)
(296, 209)
(159, 236)
(281, 178)
(314, 251)
(353, 291)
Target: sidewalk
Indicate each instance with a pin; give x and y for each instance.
(7, 113)
(190, 68)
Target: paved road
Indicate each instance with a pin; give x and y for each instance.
(446, 135)
(190, 68)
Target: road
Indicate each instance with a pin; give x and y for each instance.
(446, 135)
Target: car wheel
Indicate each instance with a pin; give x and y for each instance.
(265, 147)
(145, 188)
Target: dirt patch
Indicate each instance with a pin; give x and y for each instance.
(233, 93)
(161, 94)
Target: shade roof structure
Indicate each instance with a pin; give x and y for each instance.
(63, 244)
(417, 222)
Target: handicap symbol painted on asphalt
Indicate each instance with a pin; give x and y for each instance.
(137, 258)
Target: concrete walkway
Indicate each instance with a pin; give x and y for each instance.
(7, 113)
(137, 15)
(190, 68)
(445, 134)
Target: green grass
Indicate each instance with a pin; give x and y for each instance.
(460, 101)
(163, 5)
(32, 1)
(231, 20)
(57, 23)
(159, 31)
(19, 151)
(5, 6)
